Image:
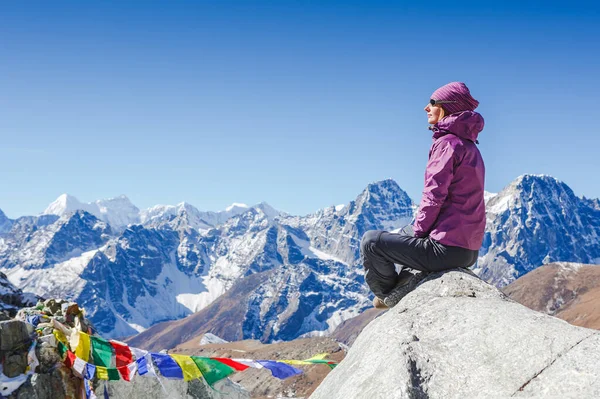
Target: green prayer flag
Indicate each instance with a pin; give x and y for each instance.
(62, 349)
(101, 352)
(212, 370)
(113, 374)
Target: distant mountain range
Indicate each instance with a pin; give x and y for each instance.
(255, 272)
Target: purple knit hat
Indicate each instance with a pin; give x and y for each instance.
(455, 91)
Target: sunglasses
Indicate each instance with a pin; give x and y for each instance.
(434, 102)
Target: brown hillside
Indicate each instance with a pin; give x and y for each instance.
(570, 291)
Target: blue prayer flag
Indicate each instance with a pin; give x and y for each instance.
(142, 365)
(167, 366)
(89, 372)
(280, 370)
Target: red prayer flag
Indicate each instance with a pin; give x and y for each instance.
(123, 353)
(231, 363)
(70, 359)
(124, 371)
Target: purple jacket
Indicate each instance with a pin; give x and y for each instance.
(452, 209)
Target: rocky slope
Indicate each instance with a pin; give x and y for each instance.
(569, 291)
(456, 336)
(12, 299)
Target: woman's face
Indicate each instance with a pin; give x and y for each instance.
(434, 113)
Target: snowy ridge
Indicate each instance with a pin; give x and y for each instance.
(118, 212)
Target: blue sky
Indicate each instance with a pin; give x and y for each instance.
(297, 103)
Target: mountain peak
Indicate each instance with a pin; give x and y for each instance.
(527, 188)
(385, 183)
(117, 211)
(65, 203)
(236, 206)
(384, 193)
(267, 210)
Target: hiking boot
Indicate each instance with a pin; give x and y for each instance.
(379, 303)
(378, 284)
(404, 286)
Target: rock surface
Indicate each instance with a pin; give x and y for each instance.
(457, 336)
(145, 388)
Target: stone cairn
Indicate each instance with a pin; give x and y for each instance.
(32, 367)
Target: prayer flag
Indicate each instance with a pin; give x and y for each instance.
(102, 373)
(90, 371)
(123, 353)
(101, 351)
(60, 336)
(79, 366)
(231, 363)
(212, 370)
(88, 389)
(280, 370)
(83, 346)
(132, 369)
(124, 371)
(167, 366)
(142, 365)
(70, 359)
(113, 374)
(188, 366)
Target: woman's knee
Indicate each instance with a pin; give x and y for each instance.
(369, 239)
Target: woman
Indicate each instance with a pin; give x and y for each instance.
(450, 223)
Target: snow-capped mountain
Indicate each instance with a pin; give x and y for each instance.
(42, 242)
(337, 230)
(5, 223)
(174, 265)
(305, 269)
(533, 221)
(118, 212)
(161, 215)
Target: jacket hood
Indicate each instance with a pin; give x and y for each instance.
(465, 124)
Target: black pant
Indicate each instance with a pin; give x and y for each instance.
(380, 250)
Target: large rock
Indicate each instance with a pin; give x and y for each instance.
(149, 387)
(457, 336)
(14, 334)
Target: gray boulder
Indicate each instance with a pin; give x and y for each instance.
(456, 336)
(149, 387)
(14, 334)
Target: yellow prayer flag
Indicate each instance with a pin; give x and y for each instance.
(320, 356)
(190, 370)
(61, 337)
(83, 347)
(101, 373)
(300, 362)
